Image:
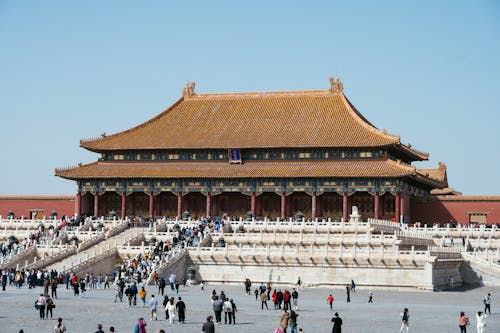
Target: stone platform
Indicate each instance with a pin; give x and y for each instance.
(429, 312)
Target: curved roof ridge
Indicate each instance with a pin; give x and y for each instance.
(365, 123)
(86, 143)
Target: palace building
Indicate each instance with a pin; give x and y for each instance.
(273, 154)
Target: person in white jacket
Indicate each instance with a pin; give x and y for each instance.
(170, 308)
(481, 322)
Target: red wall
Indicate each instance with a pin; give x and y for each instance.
(22, 205)
(445, 209)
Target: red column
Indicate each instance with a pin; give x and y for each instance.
(208, 203)
(179, 205)
(216, 205)
(345, 207)
(283, 205)
(397, 205)
(252, 203)
(313, 206)
(376, 205)
(124, 206)
(96, 204)
(78, 202)
(151, 204)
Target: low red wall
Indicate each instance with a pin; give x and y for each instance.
(23, 205)
(454, 208)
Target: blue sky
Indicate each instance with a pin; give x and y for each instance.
(428, 71)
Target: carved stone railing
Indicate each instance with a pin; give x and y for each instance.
(19, 258)
(42, 263)
(83, 265)
(116, 229)
(90, 242)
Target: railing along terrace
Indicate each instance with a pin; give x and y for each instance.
(326, 252)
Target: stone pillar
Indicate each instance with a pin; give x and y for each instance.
(397, 206)
(376, 206)
(283, 205)
(313, 206)
(124, 205)
(151, 205)
(209, 196)
(96, 204)
(345, 207)
(252, 204)
(179, 205)
(78, 203)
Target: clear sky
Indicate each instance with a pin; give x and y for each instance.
(428, 71)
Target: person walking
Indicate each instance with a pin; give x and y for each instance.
(142, 296)
(180, 307)
(462, 322)
(481, 321)
(42, 302)
(286, 300)
(487, 304)
(228, 309)
(353, 286)
(165, 302)
(234, 311)
(263, 299)
(405, 320)
(59, 327)
(285, 317)
(337, 323)
(348, 292)
(53, 288)
(99, 329)
(370, 297)
(130, 295)
(292, 323)
(217, 306)
(170, 308)
(208, 326)
(329, 300)
(153, 304)
(140, 327)
(50, 305)
(295, 297)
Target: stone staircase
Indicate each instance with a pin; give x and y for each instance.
(107, 244)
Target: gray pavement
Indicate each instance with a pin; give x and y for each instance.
(429, 312)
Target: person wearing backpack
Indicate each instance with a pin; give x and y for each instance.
(405, 320)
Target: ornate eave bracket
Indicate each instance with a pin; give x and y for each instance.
(336, 86)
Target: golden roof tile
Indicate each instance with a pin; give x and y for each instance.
(250, 169)
(438, 174)
(251, 120)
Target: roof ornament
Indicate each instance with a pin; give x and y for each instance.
(188, 90)
(103, 135)
(336, 86)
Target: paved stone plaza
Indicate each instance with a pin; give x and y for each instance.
(430, 312)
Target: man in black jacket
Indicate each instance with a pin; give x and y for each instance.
(181, 310)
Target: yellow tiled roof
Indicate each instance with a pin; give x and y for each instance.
(438, 174)
(250, 169)
(251, 120)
